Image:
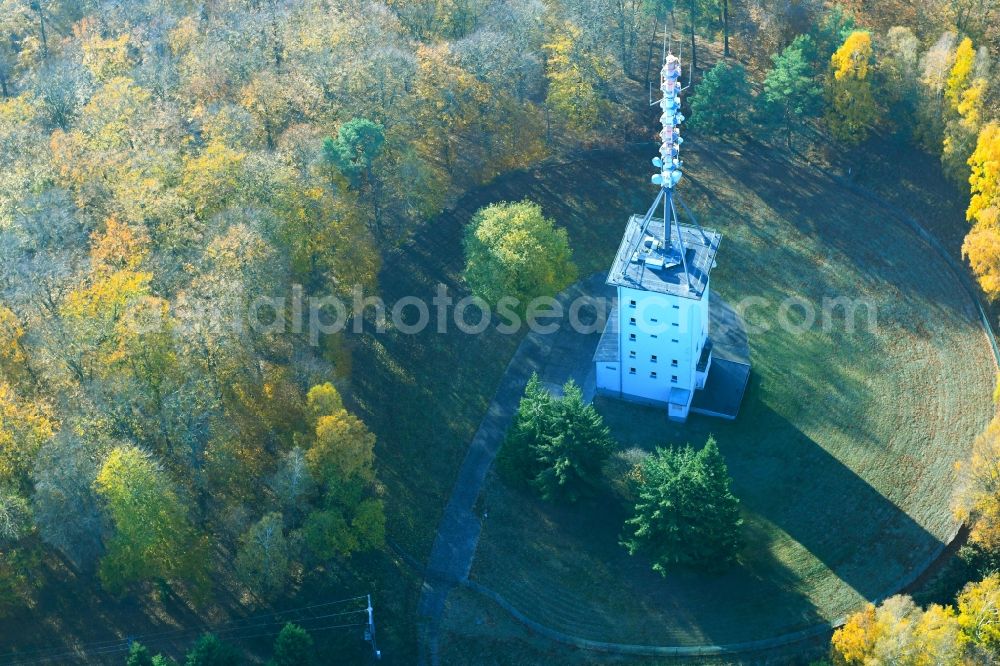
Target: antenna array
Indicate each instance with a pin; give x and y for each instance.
(669, 162)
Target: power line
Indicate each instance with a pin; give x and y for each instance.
(110, 646)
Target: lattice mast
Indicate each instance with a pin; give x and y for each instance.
(669, 162)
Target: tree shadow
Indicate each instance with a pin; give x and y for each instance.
(838, 223)
(793, 482)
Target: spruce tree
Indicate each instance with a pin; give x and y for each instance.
(572, 448)
(517, 461)
(686, 513)
(210, 651)
(293, 647)
(138, 655)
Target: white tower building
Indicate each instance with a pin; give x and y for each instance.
(655, 348)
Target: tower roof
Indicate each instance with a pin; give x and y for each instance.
(643, 263)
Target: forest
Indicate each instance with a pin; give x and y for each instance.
(165, 164)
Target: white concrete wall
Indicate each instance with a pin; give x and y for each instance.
(608, 377)
(670, 328)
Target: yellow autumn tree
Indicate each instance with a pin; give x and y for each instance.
(965, 94)
(985, 179)
(451, 103)
(573, 100)
(852, 110)
(12, 354)
(979, 614)
(977, 499)
(341, 458)
(211, 179)
(25, 424)
(342, 448)
(900, 632)
(118, 246)
(105, 57)
(982, 244)
(961, 72)
(266, 97)
(855, 640)
(330, 247)
(113, 317)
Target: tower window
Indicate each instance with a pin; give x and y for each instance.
(631, 354)
(674, 324)
(652, 359)
(631, 321)
(675, 340)
(676, 307)
(631, 304)
(673, 379)
(631, 371)
(653, 320)
(673, 363)
(631, 337)
(653, 374)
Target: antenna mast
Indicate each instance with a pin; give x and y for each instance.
(669, 162)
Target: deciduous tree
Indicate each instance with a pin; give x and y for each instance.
(25, 425)
(153, 536)
(982, 245)
(573, 100)
(262, 561)
(512, 249)
(852, 110)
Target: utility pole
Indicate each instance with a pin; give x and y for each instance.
(370, 630)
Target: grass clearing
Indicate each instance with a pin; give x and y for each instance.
(843, 455)
(855, 420)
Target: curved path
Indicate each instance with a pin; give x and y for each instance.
(557, 356)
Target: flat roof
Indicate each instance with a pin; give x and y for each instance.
(607, 346)
(631, 270)
(679, 396)
(724, 388)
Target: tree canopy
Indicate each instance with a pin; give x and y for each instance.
(791, 94)
(556, 444)
(513, 250)
(686, 513)
(722, 101)
(853, 110)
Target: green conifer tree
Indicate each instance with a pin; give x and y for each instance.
(722, 100)
(293, 647)
(686, 513)
(573, 447)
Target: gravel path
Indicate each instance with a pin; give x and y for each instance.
(557, 357)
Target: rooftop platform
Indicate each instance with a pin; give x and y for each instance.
(641, 264)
